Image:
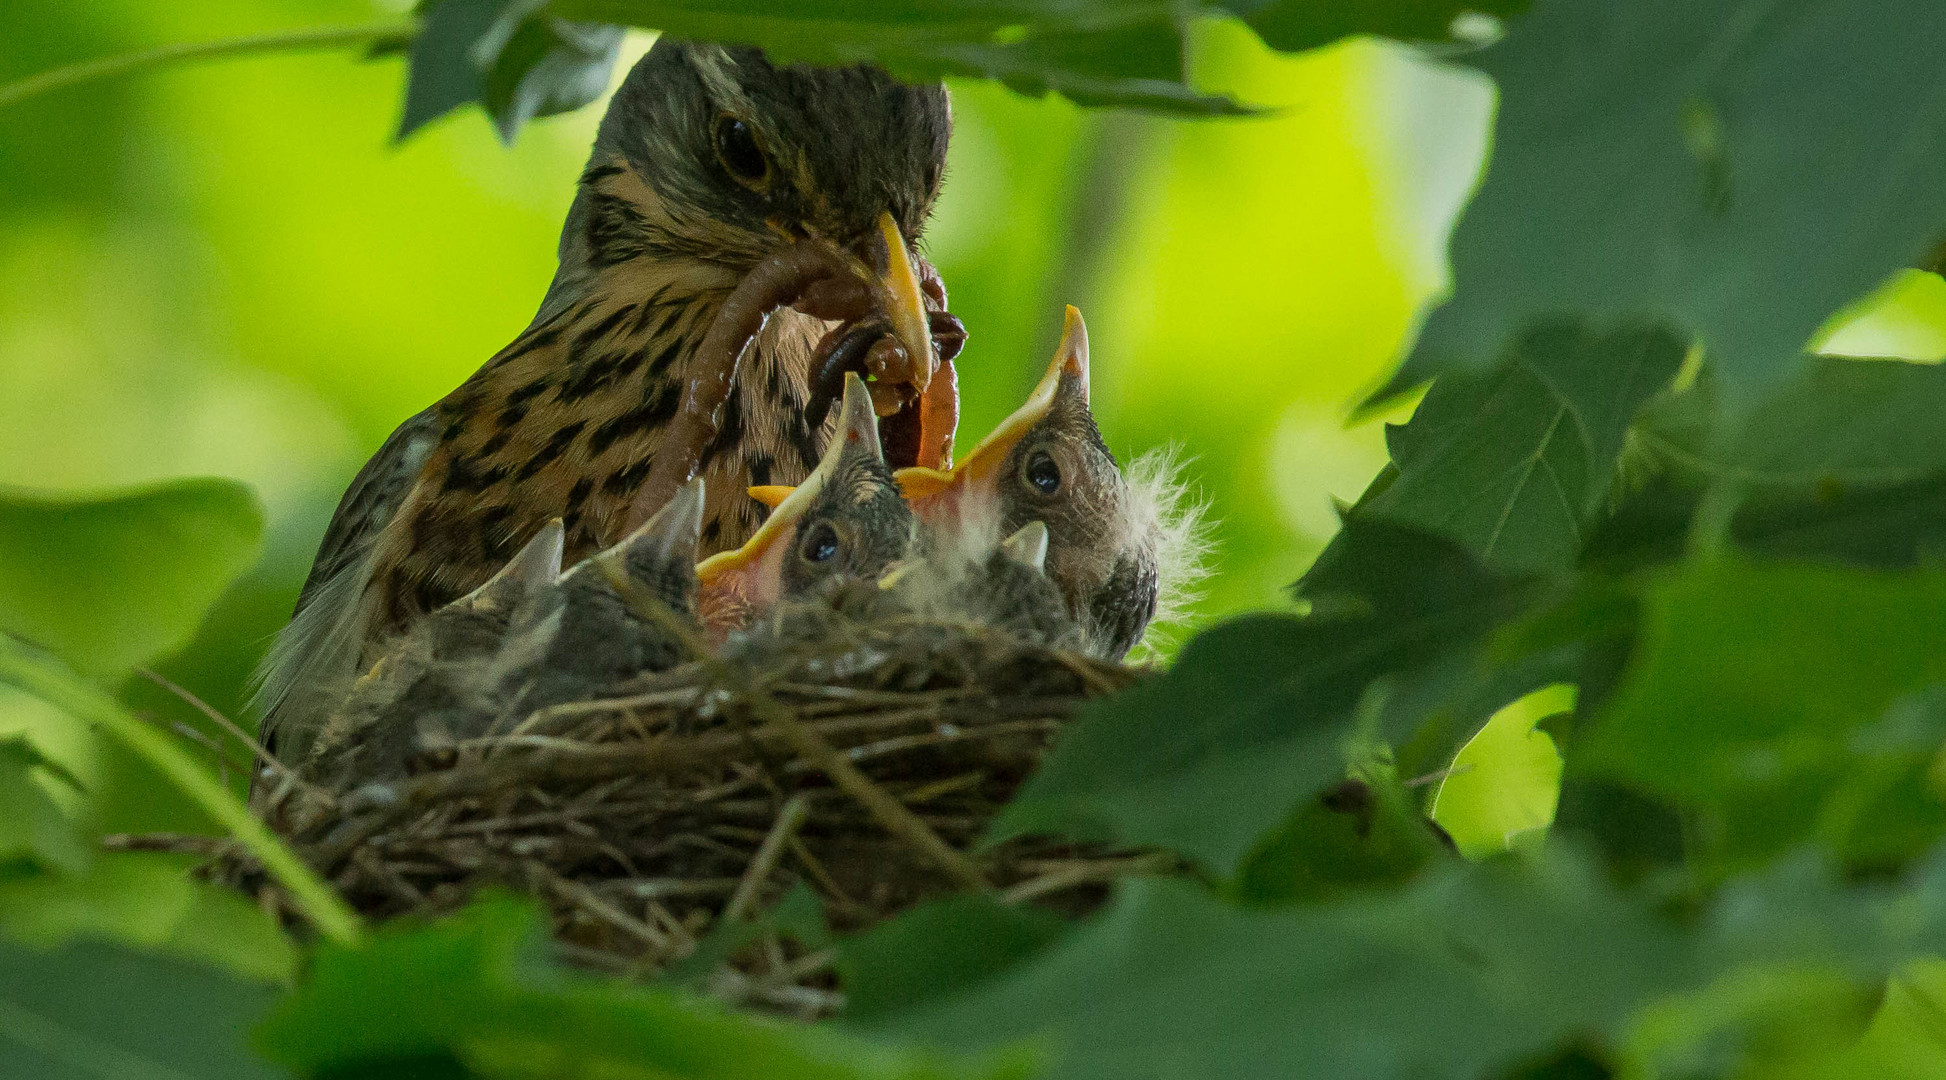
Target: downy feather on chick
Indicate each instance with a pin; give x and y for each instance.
(433, 678)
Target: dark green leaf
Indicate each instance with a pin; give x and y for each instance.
(88, 1012)
(514, 59)
(107, 582)
(474, 988)
(1469, 970)
(1515, 464)
(1764, 696)
(1361, 835)
(937, 950)
(1844, 424)
(1263, 713)
(1738, 169)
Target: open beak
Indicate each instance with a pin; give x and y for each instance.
(934, 493)
(733, 585)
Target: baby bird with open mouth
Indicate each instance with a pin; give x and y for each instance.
(846, 522)
(1117, 543)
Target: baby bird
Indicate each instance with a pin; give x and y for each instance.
(845, 522)
(1009, 590)
(607, 620)
(432, 677)
(1108, 533)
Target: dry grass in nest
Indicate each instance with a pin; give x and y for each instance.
(861, 759)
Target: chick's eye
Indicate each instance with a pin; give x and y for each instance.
(1042, 474)
(821, 544)
(737, 149)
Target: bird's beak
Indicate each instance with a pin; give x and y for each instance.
(934, 492)
(534, 565)
(735, 584)
(670, 535)
(899, 297)
(1028, 546)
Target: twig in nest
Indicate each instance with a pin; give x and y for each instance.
(890, 812)
(789, 820)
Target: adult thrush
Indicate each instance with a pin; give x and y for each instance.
(731, 213)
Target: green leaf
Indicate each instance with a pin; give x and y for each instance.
(33, 827)
(1737, 169)
(89, 1011)
(512, 57)
(1516, 463)
(936, 950)
(1291, 25)
(1362, 835)
(1261, 714)
(1842, 424)
(1504, 782)
(109, 581)
(1765, 697)
(474, 988)
(1470, 970)
(151, 903)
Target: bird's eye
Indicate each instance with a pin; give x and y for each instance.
(1042, 474)
(821, 544)
(737, 149)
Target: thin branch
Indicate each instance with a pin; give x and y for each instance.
(228, 725)
(327, 37)
(789, 820)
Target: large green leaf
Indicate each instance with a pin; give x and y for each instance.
(1467, 971)
(1785, 702)
(936, 950)
(89, 1012)
(1261, 714)
(1291, 25)
(474, 989)
(1516, 463)
(526, 58)
(152, 903)
(107, 582)
(1738, 169)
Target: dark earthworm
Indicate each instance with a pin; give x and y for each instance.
(842, 350)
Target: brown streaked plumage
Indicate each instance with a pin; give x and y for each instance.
(711, 165)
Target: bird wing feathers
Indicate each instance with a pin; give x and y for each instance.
(326, 635)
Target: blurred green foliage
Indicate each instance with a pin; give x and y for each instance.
(1704, 641)
(230, 270)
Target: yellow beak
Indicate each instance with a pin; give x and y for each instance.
(899, 297)
(732, 584)
(924, 487)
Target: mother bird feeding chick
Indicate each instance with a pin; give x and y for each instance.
(731, 212)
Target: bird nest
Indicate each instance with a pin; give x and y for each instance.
(861, 758)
